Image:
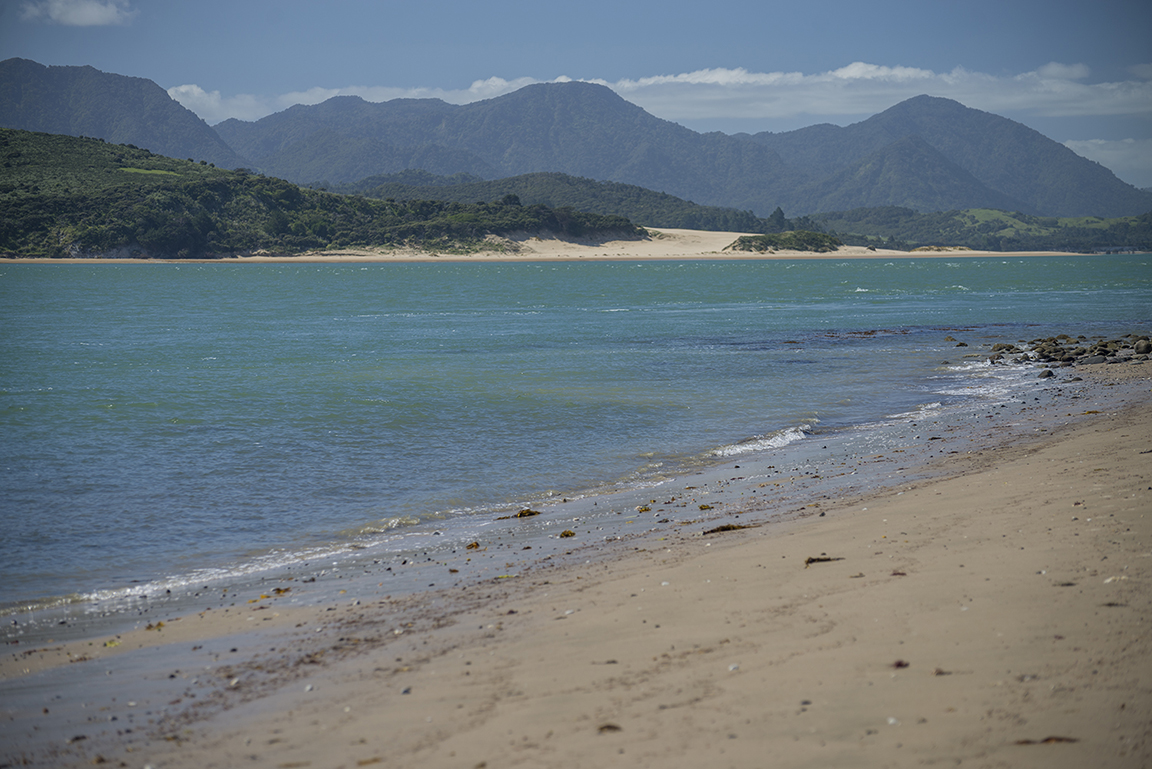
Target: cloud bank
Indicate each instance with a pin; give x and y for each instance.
(79, 13)
(1054, 90)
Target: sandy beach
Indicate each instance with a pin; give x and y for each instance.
(994, 614)
(662, 244)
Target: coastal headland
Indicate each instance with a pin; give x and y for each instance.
(990, 608)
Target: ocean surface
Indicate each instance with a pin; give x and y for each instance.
(175, 423)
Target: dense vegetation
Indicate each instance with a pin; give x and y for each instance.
(67, 196)
(640, 205)
(988, 230)
(816, 242)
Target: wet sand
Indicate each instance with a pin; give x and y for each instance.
(995, 613)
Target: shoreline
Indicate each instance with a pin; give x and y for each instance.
(667, 244)
(675, 645)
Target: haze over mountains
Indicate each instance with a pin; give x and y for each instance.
(926, 153)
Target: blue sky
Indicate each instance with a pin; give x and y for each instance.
(1079, 72)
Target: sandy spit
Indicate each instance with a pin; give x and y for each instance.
(663, 244)
(995, 617)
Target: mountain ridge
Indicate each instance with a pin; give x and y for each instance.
(925, 153)
(71, 101)
(588, 130)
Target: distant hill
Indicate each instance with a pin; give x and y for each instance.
(1005, 157)
(988, 230)
(67, 196)
(82, 101)
(640, 205)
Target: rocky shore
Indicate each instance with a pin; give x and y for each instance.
(1062, 351)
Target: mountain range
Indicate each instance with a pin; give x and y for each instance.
(925, 153)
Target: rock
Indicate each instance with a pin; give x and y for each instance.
(1045, 374)
(1143, 347)
(1091, 359)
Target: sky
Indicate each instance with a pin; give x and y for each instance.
(1078, 72)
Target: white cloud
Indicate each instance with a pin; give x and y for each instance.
(213, 107)
(79, 13)
(1054, 70)
(1142, 71)
(858, 89)
(1132, 156)
(864, 89)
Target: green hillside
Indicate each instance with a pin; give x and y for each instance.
(640, 205)
(68, 196)
(988, 230)
(815, 242)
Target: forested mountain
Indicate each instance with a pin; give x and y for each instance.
(908, 172)
(82, 101)
(579, 129)
(1006, 157)
(640, 205)
(67, 196)
(926, 153)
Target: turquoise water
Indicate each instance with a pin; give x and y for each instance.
(163, 419)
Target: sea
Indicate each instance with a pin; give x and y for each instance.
(168, 426)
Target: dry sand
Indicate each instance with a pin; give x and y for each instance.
(996, 617)
(663, 244)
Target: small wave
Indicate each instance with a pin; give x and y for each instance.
(862, 290)
(40, 604)
(776, 440)
(382, 526)
(920, 412)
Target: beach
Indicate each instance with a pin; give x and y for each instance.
(662, 244)
(992, 611)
